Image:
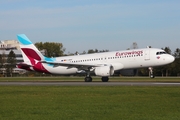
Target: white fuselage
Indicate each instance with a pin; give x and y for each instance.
(127, 59)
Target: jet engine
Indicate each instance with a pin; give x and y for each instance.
(104, 71)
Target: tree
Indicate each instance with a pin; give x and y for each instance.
(11, 62)
(167, 49)
(177, 53)
(176, 67)
(52, 49)
(104, 51)
(176, 63)
(84, 52)
(2, 63)
(90, 51)
(96, 51)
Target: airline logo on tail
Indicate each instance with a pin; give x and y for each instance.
(31, 55)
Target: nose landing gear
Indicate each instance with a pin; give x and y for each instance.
(151, 74)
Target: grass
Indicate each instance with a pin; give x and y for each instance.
(147, 79)
(89, 102)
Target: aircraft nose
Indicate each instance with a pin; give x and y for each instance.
(171, 58)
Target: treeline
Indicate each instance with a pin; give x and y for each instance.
(7, 63)
(51, 49)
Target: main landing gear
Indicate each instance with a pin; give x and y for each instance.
(105, 79)
(151, 74)
(88, 78)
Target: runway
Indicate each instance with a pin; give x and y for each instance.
(49, 83)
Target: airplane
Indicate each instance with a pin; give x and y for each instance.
(102, 64)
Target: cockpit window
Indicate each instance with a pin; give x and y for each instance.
(161, 52)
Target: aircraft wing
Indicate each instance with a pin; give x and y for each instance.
(76, 65)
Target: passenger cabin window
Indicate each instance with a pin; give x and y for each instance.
(160, 53)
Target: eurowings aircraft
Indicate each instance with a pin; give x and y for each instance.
(102, 64)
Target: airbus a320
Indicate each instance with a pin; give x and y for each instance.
(102, 64)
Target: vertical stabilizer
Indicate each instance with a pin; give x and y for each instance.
(30, 53)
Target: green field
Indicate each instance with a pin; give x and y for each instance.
(157, 79)
(89, 103)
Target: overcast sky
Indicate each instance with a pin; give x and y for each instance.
(81, 25)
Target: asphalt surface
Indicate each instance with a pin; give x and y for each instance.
(49, 83)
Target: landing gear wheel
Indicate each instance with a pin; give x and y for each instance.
(152, 76)
(88, 79)
(105, 79)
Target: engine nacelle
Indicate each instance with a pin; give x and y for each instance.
(104, 71)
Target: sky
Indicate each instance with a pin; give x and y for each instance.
(81, 25)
